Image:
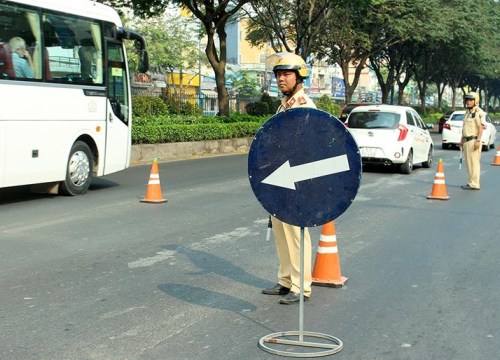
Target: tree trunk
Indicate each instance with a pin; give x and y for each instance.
(486, 99)
(218, 63)
(402, 86)
(350, 87)
(422, 87)
(440, 88)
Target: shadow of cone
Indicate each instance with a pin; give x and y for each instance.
(439, 186)
(496, 160)
(326, 270)
(153, 190)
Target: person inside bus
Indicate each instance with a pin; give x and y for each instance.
(21, 59)
(86, 54)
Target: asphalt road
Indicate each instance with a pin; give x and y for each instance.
(104, 276)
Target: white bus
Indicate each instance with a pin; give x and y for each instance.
(65, 105)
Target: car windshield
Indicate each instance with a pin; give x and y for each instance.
(373, 120)
(457, 117)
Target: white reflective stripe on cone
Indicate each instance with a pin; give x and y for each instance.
(328, 250)
(328, 238)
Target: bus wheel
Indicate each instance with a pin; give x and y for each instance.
(79, 170)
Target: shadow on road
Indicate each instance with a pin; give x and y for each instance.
(209, 263)
(14, 194)
(206, 298)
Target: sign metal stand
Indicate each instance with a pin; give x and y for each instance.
(331, 346)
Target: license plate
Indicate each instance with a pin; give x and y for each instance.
(368, 151)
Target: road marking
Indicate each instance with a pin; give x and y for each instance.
(205, 244)
(160, 256)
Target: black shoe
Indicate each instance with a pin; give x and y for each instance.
(276, 290)
(468, 187)
(291, 298)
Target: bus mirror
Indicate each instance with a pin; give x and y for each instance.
(143, 65)
(140, 45)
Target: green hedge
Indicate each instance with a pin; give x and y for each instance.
(163, 119)
(154, 123)
(168, 133)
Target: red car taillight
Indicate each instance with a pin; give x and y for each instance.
(447, 126)
(403, 131)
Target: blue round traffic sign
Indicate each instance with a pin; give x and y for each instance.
(304, 167)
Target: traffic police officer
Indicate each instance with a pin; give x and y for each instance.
(472, 129)
(290, 71)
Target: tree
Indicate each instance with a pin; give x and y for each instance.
(214, 16)
(390, 67)
(245, 84)
(392, 64)
(287, 25)
(445, 42)
(487, 64)
(358, 30)
(170, 45)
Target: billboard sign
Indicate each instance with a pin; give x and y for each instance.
(338, 87)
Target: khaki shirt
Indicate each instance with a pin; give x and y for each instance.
(472, 121)
(299, 99)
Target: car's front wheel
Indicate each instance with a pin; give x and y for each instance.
(407, 167)
(427, 164)
(445, 146)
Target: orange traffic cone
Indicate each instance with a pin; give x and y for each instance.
(153, 191)
(439, 187)
(496, 161)
(326, 270)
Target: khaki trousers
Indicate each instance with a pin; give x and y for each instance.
(472, 159)
(287, 239)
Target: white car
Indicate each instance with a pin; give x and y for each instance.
(391, 135)
(452, 131)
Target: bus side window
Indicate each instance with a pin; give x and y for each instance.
(18, 22)
(74, 49)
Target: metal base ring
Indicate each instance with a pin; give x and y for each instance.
(334, 345)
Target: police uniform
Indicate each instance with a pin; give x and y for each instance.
(473, 120)
(287, 237)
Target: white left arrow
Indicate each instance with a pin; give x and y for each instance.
(286, 176)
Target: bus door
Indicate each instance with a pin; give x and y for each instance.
(118, 122)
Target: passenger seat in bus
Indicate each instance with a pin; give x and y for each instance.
(46, 65)
(6, 68)
(46, 61)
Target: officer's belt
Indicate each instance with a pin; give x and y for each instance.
(469, 138)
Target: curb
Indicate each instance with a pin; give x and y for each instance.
(145, 153)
